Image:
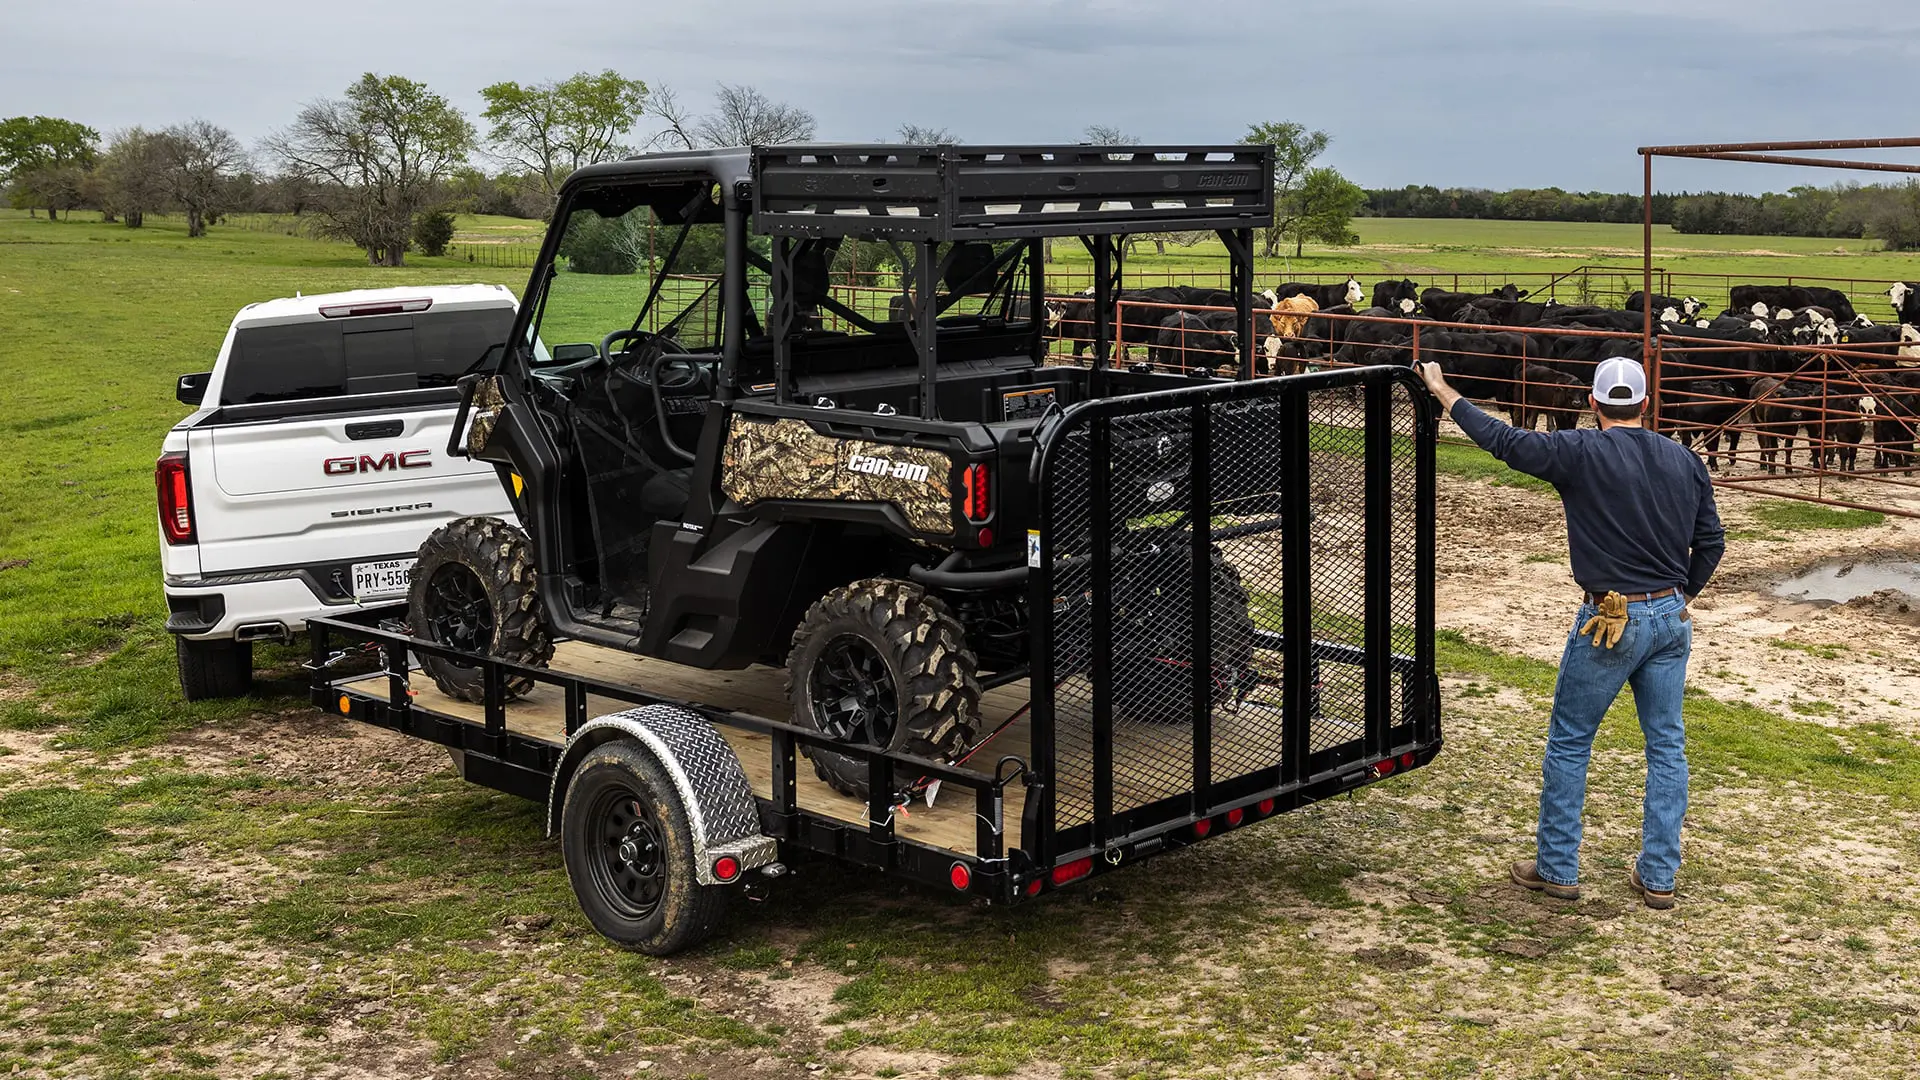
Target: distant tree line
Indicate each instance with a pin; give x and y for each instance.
(1889, 213)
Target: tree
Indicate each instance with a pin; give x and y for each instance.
(379, 156)
(742, 116)
(199, 163)
(44, 159)
(132, 184)
(1107, 135)
(432, 232)
(1896, 221)
(916, 135)
(1294, 148)
(1326, 202)
(549, 129)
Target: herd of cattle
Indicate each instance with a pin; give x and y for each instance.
(1779, 361)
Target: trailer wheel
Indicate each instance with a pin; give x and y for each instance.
(628, 847)
(473, 590)
(1151, 665)
(881, 663)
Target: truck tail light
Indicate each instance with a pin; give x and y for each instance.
(378, 307)
(176, 497)
(977, 484)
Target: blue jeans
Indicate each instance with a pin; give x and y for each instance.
(1652, 657)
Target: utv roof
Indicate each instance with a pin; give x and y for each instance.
(941, 193)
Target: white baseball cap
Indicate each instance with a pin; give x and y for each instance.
(1619, 381)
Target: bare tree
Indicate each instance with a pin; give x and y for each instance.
(380, 155)
(1107, 135)
(679, 132)
(743, 116)
(199, 161)
(132, 175)
(916, 135)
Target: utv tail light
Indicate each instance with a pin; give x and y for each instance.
(176, 497)
(381, 307)
(960, 876)
(977, 484)
(726, 868)
(1072, 871)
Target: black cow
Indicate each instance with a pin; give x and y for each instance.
(1374, 330)
(1399, 297)
(1542, 391)
(1685, 308)
(1742, 298)
(1184, 341)
(1506, 312)
(1444, 305)
(1702, 407)
(1322, 336)
(1905, 297)
(1510, 291)
(1348, 292)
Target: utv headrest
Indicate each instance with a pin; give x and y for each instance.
(810, 276)
(970, 259)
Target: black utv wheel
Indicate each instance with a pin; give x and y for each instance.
(1153, 620)
(473, 590)
(214, 669)
(880, 663)
(628, 847)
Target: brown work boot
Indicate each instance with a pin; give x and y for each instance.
(1527, 876)
(1657, 900)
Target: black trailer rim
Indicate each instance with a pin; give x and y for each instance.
(458, 612)
(853, 694)
(628, 864)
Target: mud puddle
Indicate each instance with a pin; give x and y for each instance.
(1841, 580)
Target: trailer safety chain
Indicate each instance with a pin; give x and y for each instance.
(338, 655)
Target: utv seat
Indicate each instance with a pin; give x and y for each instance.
(664, 496)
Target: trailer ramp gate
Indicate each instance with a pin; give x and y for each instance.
(1283, 531)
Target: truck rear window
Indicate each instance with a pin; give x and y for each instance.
(335, 357)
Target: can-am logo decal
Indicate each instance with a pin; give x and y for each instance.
(898, 470)
(367, 463)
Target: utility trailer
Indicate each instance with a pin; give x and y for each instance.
(1044, 621)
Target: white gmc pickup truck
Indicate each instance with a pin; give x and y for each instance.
(314, 465)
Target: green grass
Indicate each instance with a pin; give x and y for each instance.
(1791, 514)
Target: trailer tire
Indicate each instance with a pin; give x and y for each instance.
(214, 669)
(902, 648)
(1150, 666)
(628, 846)
(474, 589)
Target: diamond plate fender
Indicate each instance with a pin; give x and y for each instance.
(720, 808)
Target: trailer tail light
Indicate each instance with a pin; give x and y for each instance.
(1202, 827)
(378, 307)
(1265, 806)
(976, 484)
(1072, 871)
(1034, 887)
(176, 497)
(726, 868)
(960, 876)
(1406, 760)
(1235, 816)
(1385, 767)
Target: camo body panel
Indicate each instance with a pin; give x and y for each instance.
(487, 403)
(787, 459)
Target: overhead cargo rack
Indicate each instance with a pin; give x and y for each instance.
(939, 193)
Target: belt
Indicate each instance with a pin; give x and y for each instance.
(1635, 598)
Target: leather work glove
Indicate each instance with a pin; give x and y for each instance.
(1610, 622)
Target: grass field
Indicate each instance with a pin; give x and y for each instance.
(248, 889)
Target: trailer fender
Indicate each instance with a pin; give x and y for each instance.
(712, 786)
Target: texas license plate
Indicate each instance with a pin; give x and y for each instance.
(379, 580)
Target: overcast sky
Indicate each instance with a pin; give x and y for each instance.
(1478, 93)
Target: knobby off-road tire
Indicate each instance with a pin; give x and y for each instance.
(628, 846)
(214, 669)
(473, 589)
(882, 663)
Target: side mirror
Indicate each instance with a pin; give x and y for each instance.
(192, 389)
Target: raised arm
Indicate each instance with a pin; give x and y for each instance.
(1531, 452)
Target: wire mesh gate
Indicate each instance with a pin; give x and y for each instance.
(1233, 596)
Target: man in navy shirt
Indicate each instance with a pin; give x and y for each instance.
(1643, 538)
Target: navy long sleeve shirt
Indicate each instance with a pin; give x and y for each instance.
(1640, 513)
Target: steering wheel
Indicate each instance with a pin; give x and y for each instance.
(669, 373)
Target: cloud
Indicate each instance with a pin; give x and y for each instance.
(1557, 92)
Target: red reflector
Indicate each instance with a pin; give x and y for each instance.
(1265, 807)
(1406, 761)
(960, 876)
(978, 488)
(1203, 827)
(1235, 816)
(176, 498)
(1072, 871)
(984, 536)
(1384, 767)
(1034, 886)
(382, 307)
(726, 868)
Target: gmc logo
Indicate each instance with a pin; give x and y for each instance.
(367, 463)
